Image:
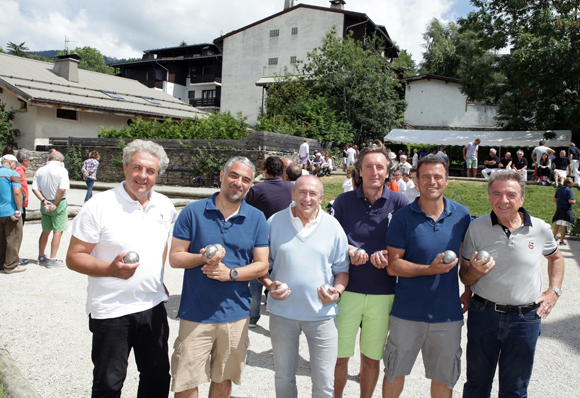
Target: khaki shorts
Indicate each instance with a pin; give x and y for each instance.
(209, 351)
(440, 344)
(471, 163)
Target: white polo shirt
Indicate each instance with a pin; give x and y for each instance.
(50, 178)
(116, 223)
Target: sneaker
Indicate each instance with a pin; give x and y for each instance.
(18, 268)
(252, 325)
(54, 263)
(24, 261)
(562, 243)
(42, 259)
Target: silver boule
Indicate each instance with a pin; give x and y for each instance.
(210, 250)
(361, 251)
(449, 257)
(283, 287)
(131, 258)
(326, 287)
(377, 252)
(482, 254)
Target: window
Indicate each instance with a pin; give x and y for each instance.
(272, 61)
(23, 106)
(207, 70)
(292, 60)
(208, 94)
(66, 114)
(191, 94)
(294, 31)
(113, 95)
(275, 33)
(151, 101)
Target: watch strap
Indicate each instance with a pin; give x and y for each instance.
(556, 290)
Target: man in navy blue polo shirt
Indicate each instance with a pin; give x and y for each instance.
(215, 299)
(365, 214)
(427, 314)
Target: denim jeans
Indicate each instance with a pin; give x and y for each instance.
(145, 332)
(256, 291)
(90, 182)
(322, 338)
(498, 338)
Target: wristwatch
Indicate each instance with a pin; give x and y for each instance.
(233, 274)
(555, 289)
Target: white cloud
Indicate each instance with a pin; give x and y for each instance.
(124, 28)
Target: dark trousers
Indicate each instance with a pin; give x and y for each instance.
(90, 182)
(10, 240)
(146, 332)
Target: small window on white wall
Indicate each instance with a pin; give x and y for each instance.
(66, 114)
(272, 61)
(292, 60)
(275, 33)
(294, 31)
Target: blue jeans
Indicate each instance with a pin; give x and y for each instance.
(90, 182)
(507, 339)
(322, 337)
(256, 291)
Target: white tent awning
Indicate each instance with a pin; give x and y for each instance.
(488, 138)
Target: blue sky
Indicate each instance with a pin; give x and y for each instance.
(124, 28)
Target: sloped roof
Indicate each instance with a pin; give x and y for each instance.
(35, 82)
(430, 76)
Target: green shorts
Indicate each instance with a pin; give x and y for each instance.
(471, 163)
(370, 310)
(56, 220)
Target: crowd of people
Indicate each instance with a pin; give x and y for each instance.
(387, 262)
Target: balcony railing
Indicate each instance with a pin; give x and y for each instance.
(205, 79)
(201, 102)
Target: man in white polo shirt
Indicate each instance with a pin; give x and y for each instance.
(125, 300)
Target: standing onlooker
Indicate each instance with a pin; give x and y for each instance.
(215, 299)
(344, 157)
(575, 162)
(10, 215)
(470, 156)
(441, 154)
(491, 164)
(125, 300)
(564, 199)
(415, 158)
(423, 153)
(304, 153)
(50, 185)
(537, 155)
(504, 319)
(411, 191)
(269, 196)
(350, 156)
(520, 164)
(347, 184)
(90, 167)
(304, 231)
(427, 314)
(23, 161)
(400, 183)
(404, 166)
(506, 162)
(562, 165)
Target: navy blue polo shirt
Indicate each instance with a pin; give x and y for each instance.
(563, 196)
(366, 226)
(206, 300)
(270, 196)
(433, 298)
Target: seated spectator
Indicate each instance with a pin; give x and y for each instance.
(506, 162)
(561, 170)
(316, 163)
(326, 165)
(347, 185)
(544, 167)
(491, 164)
(520, 164)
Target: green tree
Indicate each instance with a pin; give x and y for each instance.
(541, 77)
(8, 135)
(91, 59)
(441, 56)
(404, 64)
(17, 49)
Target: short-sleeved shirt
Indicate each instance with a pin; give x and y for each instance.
(492, 158)
(24, 184)
(366, 226)
(575, 152)
(516, 278)
(205, 300)
(304, 150)
(519, 164)
(471, 150)
(405, 168)
(505, 161)
(317, 161)
(562, 163)
(539, 151)
(432, 298)
(563, 196)
(50, 178)
(270, 196)
(8, 178)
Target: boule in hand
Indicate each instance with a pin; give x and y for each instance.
(211, 250)
(481, 255)
(282, 288)
(131, 258)
(449, 257)
(361, 251)
(326, 288)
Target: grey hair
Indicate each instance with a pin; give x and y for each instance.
(56, 155)
(403, 157)
(239, 159)
(493, 151)
(520, 151)
(507, 175)
(309, 176)
(23, 154)
(148, 147)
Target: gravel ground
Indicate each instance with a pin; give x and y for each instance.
(44, 327)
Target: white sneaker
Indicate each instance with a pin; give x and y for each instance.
(54, 263)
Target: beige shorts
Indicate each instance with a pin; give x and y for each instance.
(209, 351)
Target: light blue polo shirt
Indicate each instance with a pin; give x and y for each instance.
(433, 298)
(205, 300)
(7, 203)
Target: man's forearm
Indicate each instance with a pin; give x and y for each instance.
(59, 196)
(251, 271)
(18, 198)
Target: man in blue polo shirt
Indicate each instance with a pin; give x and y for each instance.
(427, 314)
(366, 303)
(215, 300)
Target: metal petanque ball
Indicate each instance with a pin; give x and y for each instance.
(482, 254)
(210, 250)
(131, 258)
(326, 287)
(283, 287)
(361, 251)
(449, 257)
(378, 251)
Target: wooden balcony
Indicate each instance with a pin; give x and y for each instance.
(204, 102)
(205, 79)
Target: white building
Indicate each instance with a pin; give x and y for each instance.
(262, 50)
(60, 100)
(436, 102)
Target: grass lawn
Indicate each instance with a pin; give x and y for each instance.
(473, 195)
(3, 393)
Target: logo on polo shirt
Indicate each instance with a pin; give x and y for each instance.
(531, 245)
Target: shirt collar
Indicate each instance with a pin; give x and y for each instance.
(316, 220)
(447, 210)
(360, 193)
(527, 217)
(210, 205)
(128, 198)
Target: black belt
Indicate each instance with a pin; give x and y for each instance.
(506, 308)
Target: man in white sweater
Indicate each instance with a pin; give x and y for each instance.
(304, 231)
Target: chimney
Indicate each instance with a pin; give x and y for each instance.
(66, 66)
(337, 4)
(288, 4)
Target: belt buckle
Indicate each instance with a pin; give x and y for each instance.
(497, 310)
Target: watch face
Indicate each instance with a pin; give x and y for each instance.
(233, 274)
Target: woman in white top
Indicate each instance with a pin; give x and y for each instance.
(415, 158)
(347, 184)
